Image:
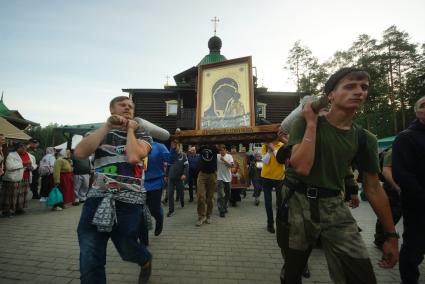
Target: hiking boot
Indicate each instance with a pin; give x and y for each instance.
(158, 228)
(306, 272)
(19, 211)
(271, 229)
(145, 272)
(200, 221)
(170, 213)
(6, 215)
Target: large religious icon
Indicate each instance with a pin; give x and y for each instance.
(240, 170)
(225, 95)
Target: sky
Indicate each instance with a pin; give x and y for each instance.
(63, 61)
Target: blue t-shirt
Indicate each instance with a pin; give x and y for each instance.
(154, 174)
(193, 162)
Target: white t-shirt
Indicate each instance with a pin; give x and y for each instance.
(223, 171)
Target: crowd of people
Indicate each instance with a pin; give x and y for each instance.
(121, 175)
(28, 173)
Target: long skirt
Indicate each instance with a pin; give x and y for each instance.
(47, 184)
(13, 196)
(66, 186)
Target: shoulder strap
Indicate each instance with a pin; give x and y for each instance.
(361, 139)
(361, 145)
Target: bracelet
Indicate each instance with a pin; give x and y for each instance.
(388, 235)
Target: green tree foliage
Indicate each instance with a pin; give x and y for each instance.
(47, 136)
(399, 56)
(397, 73)
(308, 73)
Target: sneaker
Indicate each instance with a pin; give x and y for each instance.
(208, 220)
(271, 229)
(57, 208)
(200, 221)
(170, 213)
(158, 228)
(43, 199)
(222, 214)
(145, 272)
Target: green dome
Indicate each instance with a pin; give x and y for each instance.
(211, 58)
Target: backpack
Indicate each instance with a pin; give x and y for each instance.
(381, 163)
(45, 168)
(362, 144)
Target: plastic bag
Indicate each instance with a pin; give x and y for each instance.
(55, 197)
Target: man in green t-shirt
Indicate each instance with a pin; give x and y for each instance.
(322, 151)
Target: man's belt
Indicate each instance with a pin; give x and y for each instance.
(315, 192)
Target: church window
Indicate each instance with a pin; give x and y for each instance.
(261, 110)
(171, 107)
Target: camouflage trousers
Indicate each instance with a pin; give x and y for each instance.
(329, 219)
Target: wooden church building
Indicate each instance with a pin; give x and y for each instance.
(175, 106)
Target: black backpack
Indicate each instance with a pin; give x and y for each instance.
(381, 163)
(362, 144)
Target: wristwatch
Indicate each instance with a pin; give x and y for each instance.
(388, 235)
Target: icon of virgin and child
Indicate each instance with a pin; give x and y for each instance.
(226, 109)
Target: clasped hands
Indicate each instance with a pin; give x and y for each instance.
(27, 164)
(116, 121)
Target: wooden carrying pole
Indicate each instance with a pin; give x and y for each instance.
(261, 133)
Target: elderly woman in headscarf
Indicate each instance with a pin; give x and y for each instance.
(63, 177)
(16, 180)
(45, 170)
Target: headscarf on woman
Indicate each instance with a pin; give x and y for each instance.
(63, 176)
(47, 164)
